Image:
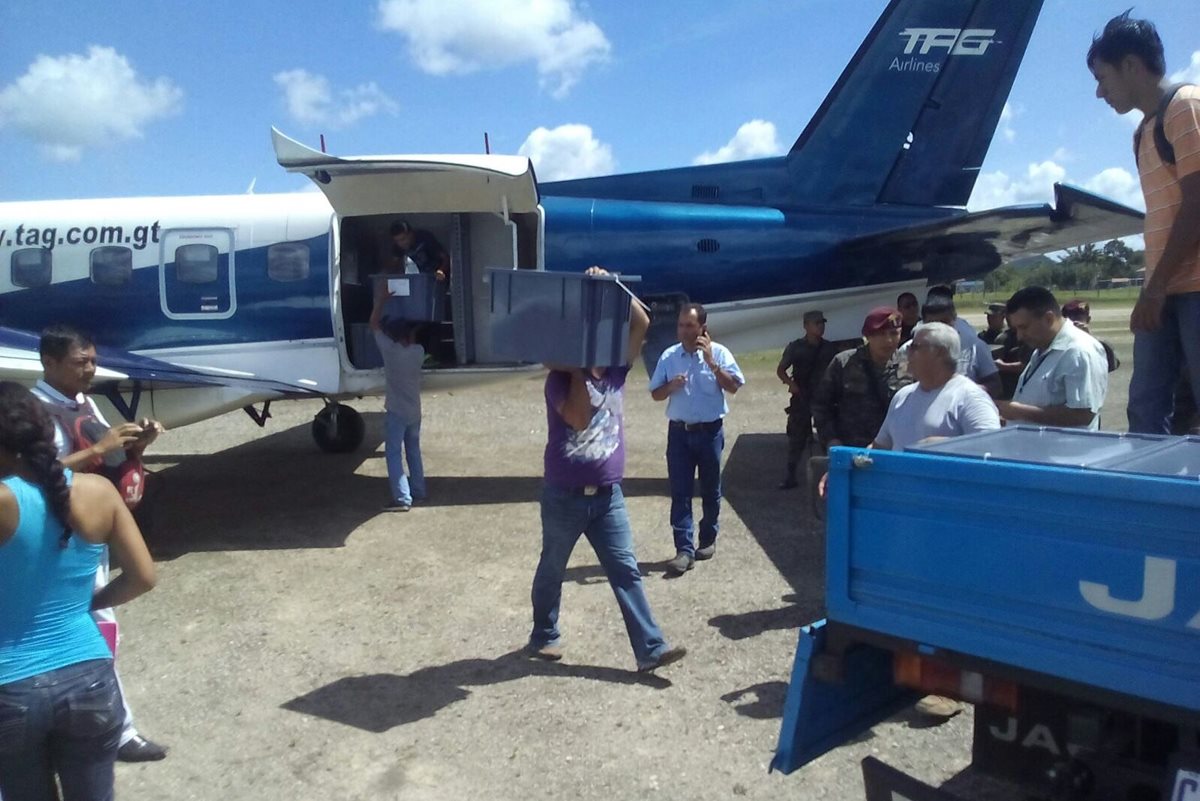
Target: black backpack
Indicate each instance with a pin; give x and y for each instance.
(1166, 151)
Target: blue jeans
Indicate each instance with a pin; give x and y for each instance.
(66, 722)
(1158, 357)
(403, 438)
(689, 452)
(603, 520)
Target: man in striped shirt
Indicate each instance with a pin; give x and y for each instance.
(1127, 61)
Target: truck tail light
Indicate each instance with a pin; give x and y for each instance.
(937, 678)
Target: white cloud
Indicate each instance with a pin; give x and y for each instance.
(754, 139)
(1007, 115)
(471, 35)
(1117, 183)
(998, 189)
(568, 151)
(1190, 73)
(71, 102)
(311, 101)
(1037, 186)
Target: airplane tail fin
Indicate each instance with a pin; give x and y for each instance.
(910, 119)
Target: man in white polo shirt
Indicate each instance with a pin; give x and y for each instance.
(1066, 379)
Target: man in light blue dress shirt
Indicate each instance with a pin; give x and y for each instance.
(693, 377)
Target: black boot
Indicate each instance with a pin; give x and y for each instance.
(789, 481)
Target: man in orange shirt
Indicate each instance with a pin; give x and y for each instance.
(1127, 61)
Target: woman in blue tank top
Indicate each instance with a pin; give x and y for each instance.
(60, 708)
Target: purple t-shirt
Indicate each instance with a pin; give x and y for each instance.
(595, 455)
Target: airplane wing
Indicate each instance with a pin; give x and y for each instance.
(122, 371)
(971, 245)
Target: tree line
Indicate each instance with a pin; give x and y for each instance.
(1084, 267)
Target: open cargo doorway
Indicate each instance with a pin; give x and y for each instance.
(483, 210)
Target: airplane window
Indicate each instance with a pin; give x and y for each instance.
(30, 267)
(196, 264)
(287, 261)
(112, 266)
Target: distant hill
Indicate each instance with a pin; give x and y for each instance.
(1030, 262)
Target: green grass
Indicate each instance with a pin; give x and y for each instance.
(1097, 298)
(767, 358)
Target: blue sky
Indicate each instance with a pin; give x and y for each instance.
(127, 98)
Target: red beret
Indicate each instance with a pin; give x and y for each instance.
(879, 319)
(1076, 308)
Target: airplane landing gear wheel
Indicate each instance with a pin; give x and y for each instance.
(338, 428)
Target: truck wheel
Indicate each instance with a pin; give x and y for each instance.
(338, 428)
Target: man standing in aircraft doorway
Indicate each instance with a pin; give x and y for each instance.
(1128, 64)
(423, 248)
(68, 366)
(693, 378)
(430, 258)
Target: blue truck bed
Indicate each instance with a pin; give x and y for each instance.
(1066, 554)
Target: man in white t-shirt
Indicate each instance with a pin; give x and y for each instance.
(941, 403)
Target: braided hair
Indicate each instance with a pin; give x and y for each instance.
(27, 430)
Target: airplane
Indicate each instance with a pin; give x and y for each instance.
(251, 298)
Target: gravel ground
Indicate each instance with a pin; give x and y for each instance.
(303, 645)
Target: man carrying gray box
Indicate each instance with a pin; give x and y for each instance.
(584, 465)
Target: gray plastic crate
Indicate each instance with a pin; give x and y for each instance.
(417, 297)
(568, 319)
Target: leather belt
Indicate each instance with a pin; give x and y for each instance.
(711, 425)
(590, 489)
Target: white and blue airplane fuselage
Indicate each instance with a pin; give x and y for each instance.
(278, 288)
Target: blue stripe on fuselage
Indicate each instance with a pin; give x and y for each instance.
(130, 316)
(760, 252)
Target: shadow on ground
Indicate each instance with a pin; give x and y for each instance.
(477, 490)
(382, 701)
(274, 492)
(280, 492)
(780, 520)
(594, 574)
(761, 701)
(751, 624)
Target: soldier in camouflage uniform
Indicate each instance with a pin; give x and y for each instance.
(853, 396)
(803, 363)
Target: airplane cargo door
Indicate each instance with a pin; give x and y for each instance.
(483, 210)
(196, 273)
